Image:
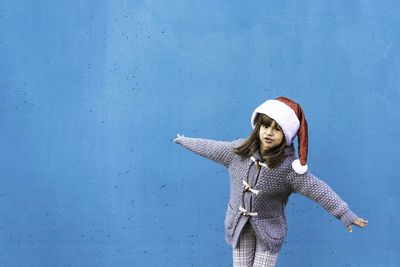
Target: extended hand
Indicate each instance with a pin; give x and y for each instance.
(175, 140)
(359, 222)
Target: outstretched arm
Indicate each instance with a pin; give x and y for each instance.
(313, 188)
(218, 151)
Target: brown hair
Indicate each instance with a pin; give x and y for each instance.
(274, 156)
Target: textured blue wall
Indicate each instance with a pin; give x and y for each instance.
(93, 93)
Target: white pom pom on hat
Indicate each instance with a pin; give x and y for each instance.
(290, 117)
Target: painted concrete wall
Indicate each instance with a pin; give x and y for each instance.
(92, 93)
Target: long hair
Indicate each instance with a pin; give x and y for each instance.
(274, 156)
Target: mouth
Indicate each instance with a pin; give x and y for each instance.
(268, 140)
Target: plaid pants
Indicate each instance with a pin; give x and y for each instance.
(248, 252)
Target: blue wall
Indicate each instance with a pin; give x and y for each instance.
(92, 93)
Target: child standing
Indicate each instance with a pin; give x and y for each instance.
(263, 173)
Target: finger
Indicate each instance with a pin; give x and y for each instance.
(349, 227)
(360, 221)
(361, 224)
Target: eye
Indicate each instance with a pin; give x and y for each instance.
(277, 129)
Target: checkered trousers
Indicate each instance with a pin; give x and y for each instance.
(248, 252)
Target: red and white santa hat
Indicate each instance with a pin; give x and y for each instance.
(290, 117)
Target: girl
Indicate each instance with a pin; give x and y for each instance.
(263, 173)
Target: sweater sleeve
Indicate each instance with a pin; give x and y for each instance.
(310, 186)
(218, 151)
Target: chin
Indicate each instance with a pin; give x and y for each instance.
(267, 146)
(270, 146)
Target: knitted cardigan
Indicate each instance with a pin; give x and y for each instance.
(269, 190)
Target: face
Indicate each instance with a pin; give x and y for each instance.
(270, 136)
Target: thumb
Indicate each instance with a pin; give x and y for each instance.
(349, 227)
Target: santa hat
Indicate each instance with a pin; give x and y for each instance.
(290, 117)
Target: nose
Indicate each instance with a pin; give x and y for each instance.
(268, 130)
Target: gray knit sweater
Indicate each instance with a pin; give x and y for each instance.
(259, 195)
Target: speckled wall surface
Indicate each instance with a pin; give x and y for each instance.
(92, 93)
